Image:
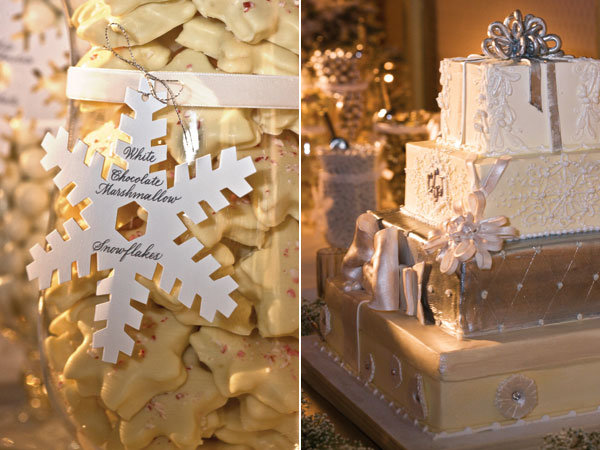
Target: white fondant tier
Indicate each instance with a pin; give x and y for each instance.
(547, 194)
(485, 105)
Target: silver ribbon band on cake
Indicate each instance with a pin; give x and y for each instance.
(524, 39)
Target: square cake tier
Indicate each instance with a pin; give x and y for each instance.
(532, 282)
(541, 195)
(486, 105)
(451, 385)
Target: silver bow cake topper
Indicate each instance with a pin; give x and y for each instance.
(519, 37)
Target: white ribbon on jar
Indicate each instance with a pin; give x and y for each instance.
(207, 90)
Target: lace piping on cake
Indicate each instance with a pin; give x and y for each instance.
(443, 98)
(501, 117)
(416, 178)
(588, 93)
(558, 194)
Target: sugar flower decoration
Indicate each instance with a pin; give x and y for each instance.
(467, 235)
(516, 396)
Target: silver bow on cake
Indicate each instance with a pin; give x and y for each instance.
(519, 37)
(360, 251)
(373, 263)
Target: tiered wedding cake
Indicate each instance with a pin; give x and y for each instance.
(497, 244)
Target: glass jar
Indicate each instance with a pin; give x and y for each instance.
(347, 188)
(191, 381)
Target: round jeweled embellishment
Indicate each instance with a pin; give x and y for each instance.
(516, 396)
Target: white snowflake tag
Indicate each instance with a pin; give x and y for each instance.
(156, 246)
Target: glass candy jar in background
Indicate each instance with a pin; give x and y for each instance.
(33, 61)
(25, 198)
(339, 76)
(191, 380)
(347, 188)
(314, 133)
(394, 131)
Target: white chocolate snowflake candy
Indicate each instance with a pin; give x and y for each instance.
(269, 278)
(275, 121)
(120, 7)
(275, 183)
(143, 24)
(66, 295)
(241, 320)
(89, 416)
(185, 415)
(275, 21)
(151, 56)
(218, 128)
(256, 440)
(64, 339)
(190, 61)
(256, 416)
(250, 417)
(154, 367)
(238, 223)
(212, 38)
(264, 368)
(102, 140)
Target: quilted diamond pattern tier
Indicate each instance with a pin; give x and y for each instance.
(532, 282)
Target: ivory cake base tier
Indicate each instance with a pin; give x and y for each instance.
(531, 282)
(389, 427)
(540, 194)
(449, 384)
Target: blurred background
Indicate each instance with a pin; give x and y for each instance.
(369, 85)
(34, 54)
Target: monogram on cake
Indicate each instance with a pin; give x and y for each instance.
(482, 290)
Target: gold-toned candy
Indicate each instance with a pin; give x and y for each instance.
(269, 278)
(120, 7)
(189, 60)
(154, 367)
(87, 413)
(236, 222)
(212, 38)
(218, 128)
(241, 321)
(143, 24)
(151, 56)
(185, 415)
(275, 121)
(275, 21)
(264, 368)
(275, 183)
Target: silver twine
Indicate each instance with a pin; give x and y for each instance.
(519, 37)
(190, 142)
